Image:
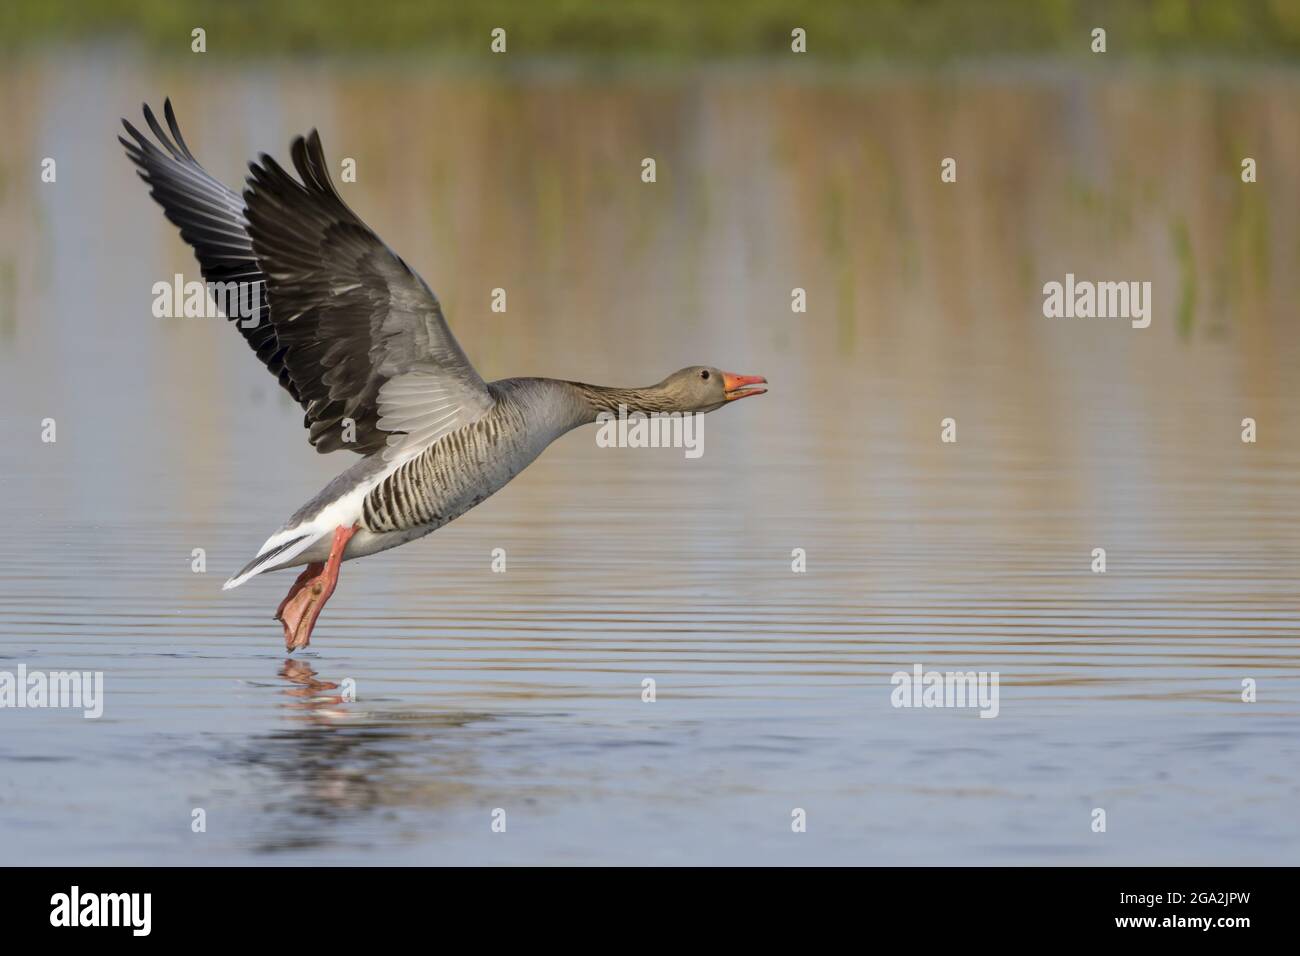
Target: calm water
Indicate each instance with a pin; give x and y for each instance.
(522, 690)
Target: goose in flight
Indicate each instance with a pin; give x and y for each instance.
(359, 340)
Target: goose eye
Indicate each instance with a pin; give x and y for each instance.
(704, 374)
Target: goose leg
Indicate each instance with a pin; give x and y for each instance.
(302, 605)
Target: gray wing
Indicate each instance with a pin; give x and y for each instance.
(211, 219)
(364, 338)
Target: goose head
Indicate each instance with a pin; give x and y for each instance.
(703, 388)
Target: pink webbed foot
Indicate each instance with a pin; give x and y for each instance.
(305, 600)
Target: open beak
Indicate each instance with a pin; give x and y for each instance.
(740, 386)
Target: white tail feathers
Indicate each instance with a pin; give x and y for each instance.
(272, 555)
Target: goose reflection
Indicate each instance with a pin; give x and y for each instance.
(357, 769)
(309, 693)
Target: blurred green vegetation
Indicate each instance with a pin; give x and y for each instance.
(837, 30)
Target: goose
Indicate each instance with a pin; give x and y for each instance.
(359, 340)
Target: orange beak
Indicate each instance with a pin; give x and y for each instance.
(736, 385)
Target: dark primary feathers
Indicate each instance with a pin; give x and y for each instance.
(211, 220)
(353, 333)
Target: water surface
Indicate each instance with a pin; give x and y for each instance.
(523, 691)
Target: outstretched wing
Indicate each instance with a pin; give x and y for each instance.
(349, 330)
(211, 219)
(364, 338)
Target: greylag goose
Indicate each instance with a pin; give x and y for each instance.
(359, 340)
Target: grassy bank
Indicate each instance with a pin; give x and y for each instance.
(690, 30)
